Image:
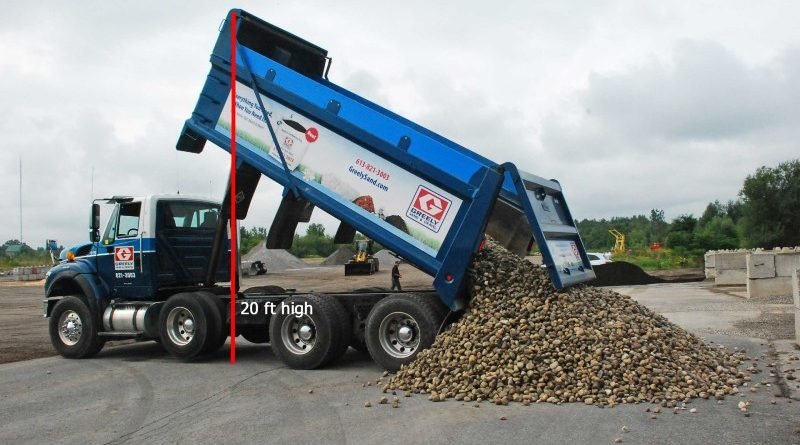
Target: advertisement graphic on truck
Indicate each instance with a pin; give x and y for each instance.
(343, 167)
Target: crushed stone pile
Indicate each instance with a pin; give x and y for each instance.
(339, 256)
(521, 340)
(275, 259)
(386, 257)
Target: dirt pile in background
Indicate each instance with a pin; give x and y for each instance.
(522, 340)
(621, 273)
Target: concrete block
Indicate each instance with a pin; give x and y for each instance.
(711, 273)
(797, 325)
(711, 260)
(786, 264)
(730, 260)
(730, 277)
(769, 287)
(796, 288)
(760, 265)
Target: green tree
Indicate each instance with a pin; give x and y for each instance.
(681, 233)
(771, 206)
(713, 210)
(658, 225)
(315, 230)
(249, 238)
(718, 233)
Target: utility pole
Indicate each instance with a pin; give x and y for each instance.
(20, 198)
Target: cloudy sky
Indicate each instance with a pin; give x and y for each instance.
(632, 105)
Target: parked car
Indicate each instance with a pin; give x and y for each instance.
(596, 259)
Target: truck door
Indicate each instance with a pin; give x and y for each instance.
(185, 231)
(120, 260)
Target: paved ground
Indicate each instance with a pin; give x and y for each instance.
(136, 393)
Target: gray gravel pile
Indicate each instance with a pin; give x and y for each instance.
(339, 256)
(521, 340)
(275, 259)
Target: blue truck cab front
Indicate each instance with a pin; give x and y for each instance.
(148, 244)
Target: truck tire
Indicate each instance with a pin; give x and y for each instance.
(217, 332)
(345, 328)
(309, 341)
(399, 326)
(184, 326)
(357, 340)
(73, 329)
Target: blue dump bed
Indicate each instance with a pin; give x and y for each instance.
(417, 193)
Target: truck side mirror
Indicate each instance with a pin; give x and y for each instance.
(94, 224)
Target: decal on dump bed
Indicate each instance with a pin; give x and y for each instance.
(344, 168)
(428, 209)
(123, 258)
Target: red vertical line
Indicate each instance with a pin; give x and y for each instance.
(234, 250)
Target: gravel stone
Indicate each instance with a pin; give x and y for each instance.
(521, 340)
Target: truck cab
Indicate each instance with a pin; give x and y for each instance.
(150, 247)
(156, 242)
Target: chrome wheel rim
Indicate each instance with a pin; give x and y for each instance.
(70, 328)
(299, 334)
(180, 326)
(399, 335)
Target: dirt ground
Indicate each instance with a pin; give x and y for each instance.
(24, 330)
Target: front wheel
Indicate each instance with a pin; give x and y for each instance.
(73, 330)
(399, 326)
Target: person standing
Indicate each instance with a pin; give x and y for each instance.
(396, 276)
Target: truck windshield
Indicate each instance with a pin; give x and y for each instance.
(191, 215)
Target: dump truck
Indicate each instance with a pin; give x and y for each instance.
(362, 262)
(158, 272)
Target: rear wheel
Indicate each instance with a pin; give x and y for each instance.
(310, 340)
(73, 330)
(184, 326)
(217, 332)
(399, 326)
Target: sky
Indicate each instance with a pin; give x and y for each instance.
(631, 105)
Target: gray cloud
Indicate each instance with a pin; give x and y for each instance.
(679, 134)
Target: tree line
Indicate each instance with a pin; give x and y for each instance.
(315, 243)
(766, 214)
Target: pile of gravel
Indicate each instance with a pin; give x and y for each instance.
(275, 259)
(386, 257)
(340, 256)
(521, 340)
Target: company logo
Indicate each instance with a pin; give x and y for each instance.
(123, 258)
(428, 208)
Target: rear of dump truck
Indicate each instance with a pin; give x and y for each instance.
(417, 193)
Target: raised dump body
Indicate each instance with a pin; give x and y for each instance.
(417, 193)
